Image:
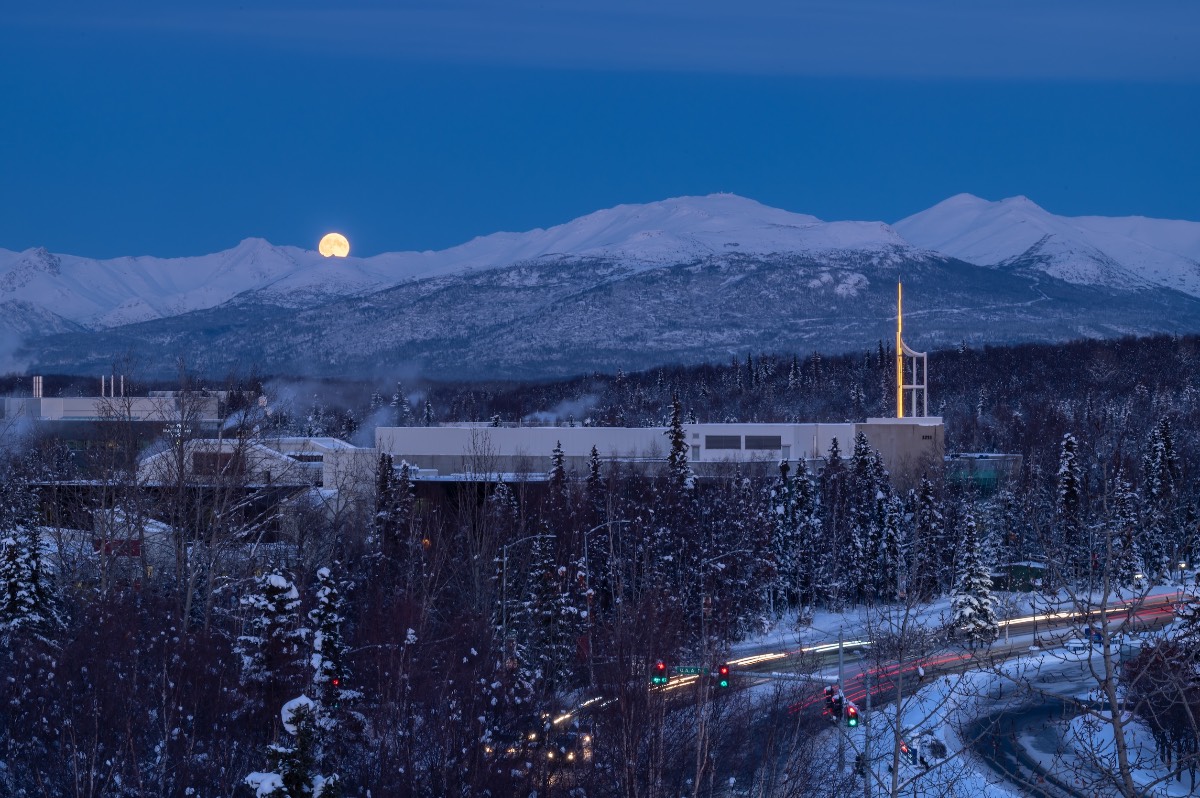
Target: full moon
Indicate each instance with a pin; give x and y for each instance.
(334, 245)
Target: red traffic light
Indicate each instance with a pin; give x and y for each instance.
(660, 675)
(335, 681)
(852, 716)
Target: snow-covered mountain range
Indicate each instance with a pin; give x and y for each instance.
(685, 279)
(1128, 253)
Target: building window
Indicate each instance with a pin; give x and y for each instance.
(722, 441)
(769, 442)
(695, 452)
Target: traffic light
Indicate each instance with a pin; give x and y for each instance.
(851, 716)
(660, 674)
(723, 676)
(833, 702)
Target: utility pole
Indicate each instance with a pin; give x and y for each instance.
(504, 585)
(866, 727)
(587, 587)
(838, 721)
(702, 746)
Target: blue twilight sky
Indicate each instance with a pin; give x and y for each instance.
(175, 128)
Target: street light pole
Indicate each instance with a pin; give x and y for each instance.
(838, 721)
(705, 669)
(587, 587)
(504, 583)
(704, 598)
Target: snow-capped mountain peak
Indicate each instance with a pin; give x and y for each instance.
(1122, 253)
(676, 230)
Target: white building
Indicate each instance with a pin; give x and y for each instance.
(472, 451)
(201, 409)
(323, 462)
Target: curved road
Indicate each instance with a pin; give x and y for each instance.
(996, 743)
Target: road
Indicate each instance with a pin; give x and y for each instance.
(1048, 629)
(1001, 753)
(996, 742)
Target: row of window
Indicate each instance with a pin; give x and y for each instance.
(771, 443)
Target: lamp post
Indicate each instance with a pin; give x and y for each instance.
(702, 692)
(840, 684)
(587, 588)
(705, 606)
(868, 681)
(504, 582)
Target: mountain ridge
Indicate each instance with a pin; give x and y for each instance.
(677, 280)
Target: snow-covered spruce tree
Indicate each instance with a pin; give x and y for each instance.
(831, 585)
(804, 499)
(595, 488)
(404, 498)
(427, 414)
(272, 643)
(557, 475)
(929, 545)
(294, 769)
(669, 546)
(972, 604)
(402, 410)
(737, 585)
(318, 420)
(891, 561)
(785, 544)
(1126, 561)
(549, 619)
(1160, 476)
(394, 501)
(1069, 511)
(868, 485)
(679, 468)
(557, 510)
(385, 478)
(793, 376)
(28, 606)
(328, 657)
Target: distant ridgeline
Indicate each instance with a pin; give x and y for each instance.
(687, 280)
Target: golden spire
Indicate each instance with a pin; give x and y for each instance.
(899, 353)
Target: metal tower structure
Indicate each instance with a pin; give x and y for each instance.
(916, 369)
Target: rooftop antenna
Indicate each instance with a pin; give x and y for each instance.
(918, 367)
